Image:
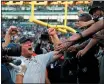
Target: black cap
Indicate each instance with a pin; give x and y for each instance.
(24, 39)
(94, 8)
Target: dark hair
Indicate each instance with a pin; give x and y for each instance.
(93, 10)
(86, 16)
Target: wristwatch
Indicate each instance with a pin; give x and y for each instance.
(22, 74)
(96, 19)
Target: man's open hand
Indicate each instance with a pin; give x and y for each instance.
(51, 31)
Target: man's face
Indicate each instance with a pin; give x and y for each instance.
(97, 13)
(80, 19)
(27, 49)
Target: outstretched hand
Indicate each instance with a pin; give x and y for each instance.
(63, 46)
(72, 49)
(51, 31)
(81, 53)
(81, 24)
(74, 37)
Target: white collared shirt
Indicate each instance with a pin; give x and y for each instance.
(36, 67)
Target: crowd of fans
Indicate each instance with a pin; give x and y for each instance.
(51, 57)
(29, 29)
(43, 8)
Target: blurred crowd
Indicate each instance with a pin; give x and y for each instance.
(43, 9)
(29, 29)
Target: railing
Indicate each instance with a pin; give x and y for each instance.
(39, 13)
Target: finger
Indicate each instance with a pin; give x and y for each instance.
(82, 54)
(59, 44)
(71, 51)
(77, 24)
(78, 54)
(70, 48)
(58, 49)
(13, 27)
(50, 29)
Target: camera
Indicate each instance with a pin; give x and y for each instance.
(44, 36)
(11, 50)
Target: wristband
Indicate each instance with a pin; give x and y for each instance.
(96, 19)
(20, 74)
